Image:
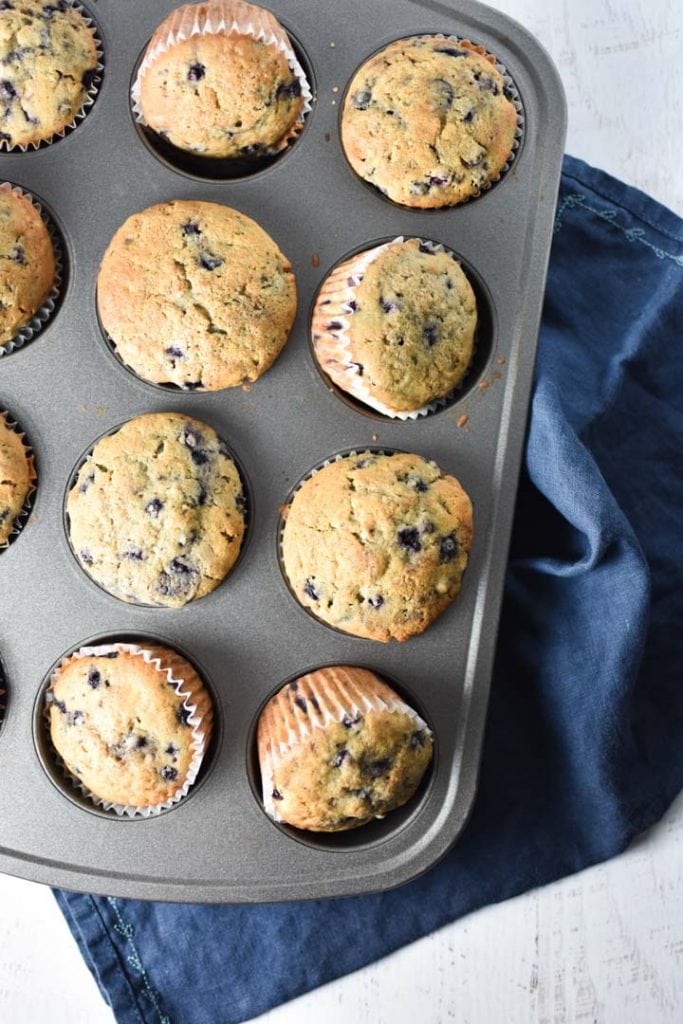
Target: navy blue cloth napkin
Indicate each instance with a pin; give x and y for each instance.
(584, 743)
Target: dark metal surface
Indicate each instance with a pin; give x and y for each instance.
(65, 388)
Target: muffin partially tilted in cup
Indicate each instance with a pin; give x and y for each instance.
(338, 747)
(394, 326)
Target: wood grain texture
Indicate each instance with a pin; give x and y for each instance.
(621, 67)
(605, 946)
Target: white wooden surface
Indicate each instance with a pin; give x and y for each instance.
(603, 947)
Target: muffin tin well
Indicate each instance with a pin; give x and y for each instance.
(250, 635)
(484, 339)
(377, 831)
(248, 514)
(207, 168)
(54, 766)
(92, 89)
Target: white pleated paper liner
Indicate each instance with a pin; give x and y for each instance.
(167, 663)
(247, 512)
(24, 513)
(42, 315)
(322, 706)
(511, 92)
(223, 17)
(331, 321)
(92, 89)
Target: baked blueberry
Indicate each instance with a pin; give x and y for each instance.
(409, 538)
(448, 548)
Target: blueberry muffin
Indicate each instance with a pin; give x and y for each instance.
(27, 262)
(337, 748)
(131, 726)
(156, 513)
(209, 86)
(17, 476)
(49, 59)
(429, 121)
(394, 326)
(376, 544)
(196, 295)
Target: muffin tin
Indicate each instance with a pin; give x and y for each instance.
(250, 635)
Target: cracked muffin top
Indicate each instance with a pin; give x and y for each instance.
(220, 94)
(124, 731)
(376, 544)
(429, 121)
(17, 476)
(156, 513)
(49, 57)
(197, 295)
(337, 748)
(406, 337)
(27, 262)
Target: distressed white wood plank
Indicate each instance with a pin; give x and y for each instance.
(605, 946)
(622, 72)
(42, 976)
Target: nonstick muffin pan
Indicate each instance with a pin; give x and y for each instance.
(65, 388)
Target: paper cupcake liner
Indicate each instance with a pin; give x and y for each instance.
(43, 314)
(285, 724)
(224, 17)
(22, 516)
(90, 93)
(331, 322)
(173, 666)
